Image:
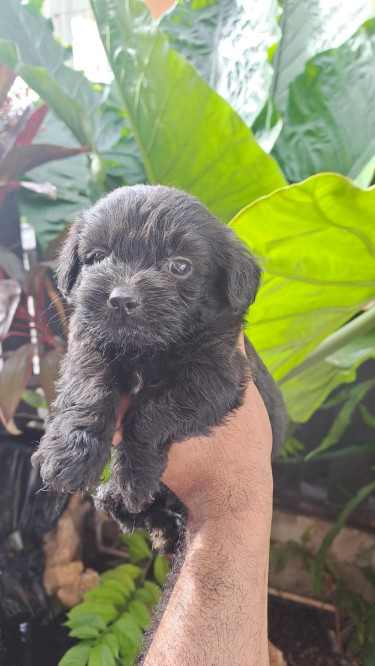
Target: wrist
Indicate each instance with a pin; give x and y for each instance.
(237, 502)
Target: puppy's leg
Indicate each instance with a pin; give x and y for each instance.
(188, 408)
(77, 443)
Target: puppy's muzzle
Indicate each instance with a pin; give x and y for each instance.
(124, 301)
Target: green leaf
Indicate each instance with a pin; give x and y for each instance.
(324, 129)
(161, 568)
(84, 631)
(129, 570)
(87, 619)
(308, 291)
(104, 593)
(291, 447)
(105, 610)
(140, 613)
(329, 538)
(34, 399)
(121, 577)
(119, 585)
(369, 419)
(14, 377)
(343, 418)
(29, 49)
(137, 546)
(127, 626)
(154, 590)
(144, 595)
(356, 450)
(112, 642)
(307, 391)
(188, 136)
(227, 42)
(101, 655)
(309, 28)
(76, 656)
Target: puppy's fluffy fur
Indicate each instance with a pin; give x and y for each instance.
(189, 282)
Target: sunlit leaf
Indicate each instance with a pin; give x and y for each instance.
(227, 42)
(307, 391)
(308, 291)
(309, 28)
(78, 655)
(101, 655)
(188, 136)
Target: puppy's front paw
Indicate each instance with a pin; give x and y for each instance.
(137, 477)
(70, 460)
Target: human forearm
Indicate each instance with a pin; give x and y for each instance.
(217, 611)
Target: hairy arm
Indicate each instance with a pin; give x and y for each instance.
(215, 610)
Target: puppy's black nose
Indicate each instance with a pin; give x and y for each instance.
(121, 300)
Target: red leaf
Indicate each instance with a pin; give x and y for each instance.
(24, 158)
(25, 137)
(10, 294)
(14, 378)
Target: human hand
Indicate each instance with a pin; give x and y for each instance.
(231, 468)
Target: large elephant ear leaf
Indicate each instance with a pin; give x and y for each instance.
(188, 136)
(325, 128)
(308, 28)
(227, 42)
(308, 291)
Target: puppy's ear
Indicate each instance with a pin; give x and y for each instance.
(241, 275)
(68, 263)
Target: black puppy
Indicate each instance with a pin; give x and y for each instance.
(160, 289)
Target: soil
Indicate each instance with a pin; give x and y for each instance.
(301, 633)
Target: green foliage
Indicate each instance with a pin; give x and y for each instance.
(355, 617)
(338, 140)
(183, 139)
(308, 289)
(308, 28)
(29, 49)
(344, 417)
(291, 447)
(227, 42)
(328, 540)
(111, 621)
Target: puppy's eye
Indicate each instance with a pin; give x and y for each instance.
(180, 267)
(95, 257)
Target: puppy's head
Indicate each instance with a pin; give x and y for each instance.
(148, 266)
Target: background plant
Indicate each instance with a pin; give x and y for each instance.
(110, 622)
(239, 128)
